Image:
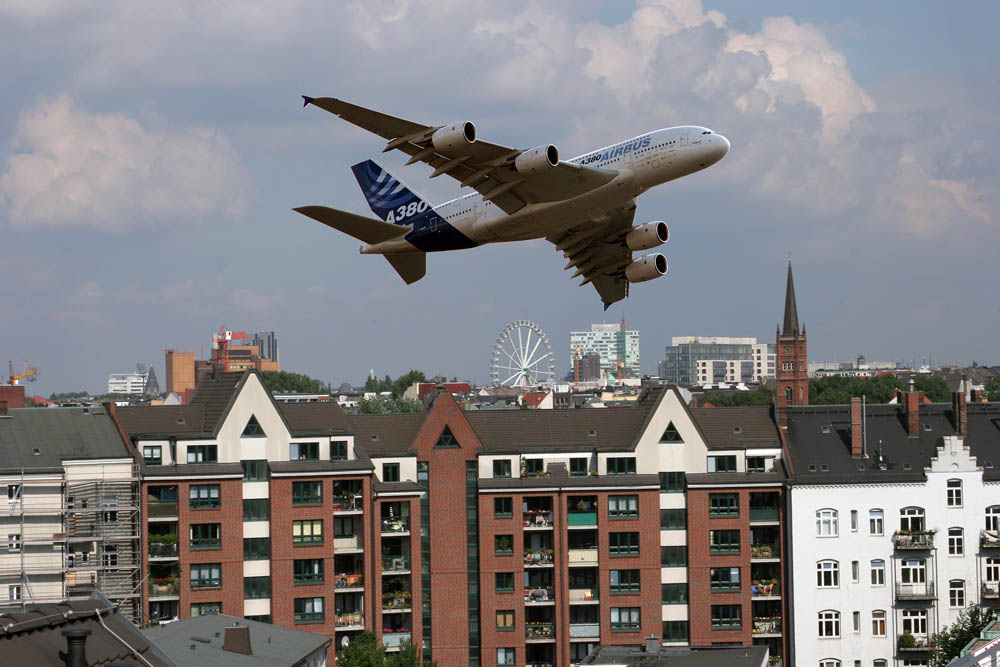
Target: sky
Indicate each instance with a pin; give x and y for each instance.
(151, 155)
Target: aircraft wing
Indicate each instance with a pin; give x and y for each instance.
(489, 168)
(598, 252)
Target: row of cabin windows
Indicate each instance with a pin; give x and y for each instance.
(911, 520)
(152, 455)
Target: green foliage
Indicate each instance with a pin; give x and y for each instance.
(992, 388)
(952, 639)
(837, 390)
(363, 651)
(408, 656)
(68, 394)
(384, 405)
(397, 386)
(721, 399)
(284, 382)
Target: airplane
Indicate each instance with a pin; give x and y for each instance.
(584, 206)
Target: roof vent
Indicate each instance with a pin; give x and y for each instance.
(927, 427)
(180, 420)
(374, 437)
(812, 467)
(36, 451)
(737, 429)
(988, 465)
(592, 432)
(824, 467)
(861, 467)
(907, 466)
(825, 428)
(883, 467)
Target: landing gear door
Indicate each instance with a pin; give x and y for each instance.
(684, 139)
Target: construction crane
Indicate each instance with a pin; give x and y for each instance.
(29, 373)
(220, 346)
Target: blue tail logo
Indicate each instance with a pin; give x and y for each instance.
(389, 198)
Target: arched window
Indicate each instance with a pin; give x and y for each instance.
(875, 522)
(915, 622)
(829, 623)
(878, 623)
(911, 519)
(913, 571)
(954, 493)
(878, 572)
(829, 662)
(956, 593)
(788, 394)
(880, 662)
(956, 542)
(827, 574)
(826, 523)
(993, 518)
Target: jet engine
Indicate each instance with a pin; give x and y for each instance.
(647, 236)
(454, 136)
(646, 268)
(537, 160)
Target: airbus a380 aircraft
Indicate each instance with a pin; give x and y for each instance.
(584, 206)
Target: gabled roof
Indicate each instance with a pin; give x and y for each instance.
(386, 435)
(215, 393)
(737, 428)
(58, 434)
(315, 418)
(163, 420)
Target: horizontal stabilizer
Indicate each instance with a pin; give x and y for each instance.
(364, 229)
(411, 266)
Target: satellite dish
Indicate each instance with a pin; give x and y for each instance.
(344, 641)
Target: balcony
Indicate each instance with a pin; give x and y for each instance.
(392, 527)
(347, 503)
(583, 595)
(585, 556)
(584, 630)
(345, 542)
(766, 625)
(765, 551)
(395, 565)
(908, 642)
(764, 515)
(162, 509)
(352, 621)
(539, 594)
(577, 519)
(989, 539)
(917, 539)
(535, 631)
(396, 602)
(991, 590)
(345, 581)
(538, 557)
(206, 543)
(393, 640)
(539, 519)
(309, 617)
(162, 549)
(765, 588)
(917, 591)
(164, 587)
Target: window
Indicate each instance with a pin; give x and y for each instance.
(787, 365)
(623, 507)
(204, 496)
(308, 610)
(826, 523)
(913, 571)
(954, 493)
(260, 618)
(856, 621)
(206, 575)
(256, 548)
(956, 593)
(501, 468)
(993, 518)
(878, 572)
(956, 542)
(854, 521)
(673, 556)
(625, 619)
(829, 623)
(757, 463)
(503, 544)
(505, 582)
(674, 593)
(506, 657)
(338, 450)
(256, 587)
(110, 556)
(621, 465)
(855, 571)
(307, 532)
(723, 504)
(14, 493)
(915, 621)
(993, 570)
(505, 619)
(829, 662)
(256, 509)
(308, 571)
(579, 467)
(623, 544)
(254, 471)
(503, 507)
(722, 463)
(675, 631)
(206, 535)
(911, 519)
(827, 574)
(670, 434)
(880, 662)
(723, 541)
(672, 482)
(307, 493)
(13, 543)
(390, 472)
(202, 453)
(303, 451)
(203, 608)
(726, 616)
(673, 519)
(152, 455)
(624, 581)
(14, 592)
(875, 523)
(253, 429)
(878, 623)
(724, 578)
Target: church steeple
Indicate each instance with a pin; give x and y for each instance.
(792, 372)
(791, 311)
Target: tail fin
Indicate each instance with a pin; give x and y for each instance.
(389, 198)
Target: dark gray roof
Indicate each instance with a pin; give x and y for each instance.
(215, 393)
(562, 480)
(737, 428)
(271, 645)
(398, 487)
(386, 435)
(315, 418)
(361, 465)
(193, 470)
(165, 420)
(34, 635)
(742, 656)
(735, 478)
(58, 434)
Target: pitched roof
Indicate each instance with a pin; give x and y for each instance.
(361, 464)
(162, 420)
(215, 393)
(58, 434)
(315, 418)
(791, 310)
(737, 428)
(386, 435)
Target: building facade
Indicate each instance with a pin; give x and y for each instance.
(610, 342)
(691, 360)
(128, 383)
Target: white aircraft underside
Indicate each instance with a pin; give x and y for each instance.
(585, 206)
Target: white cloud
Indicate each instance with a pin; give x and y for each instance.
(71, 168)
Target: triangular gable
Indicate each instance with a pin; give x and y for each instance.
(253, 429)
(445, 416)
(446, 440)
(670, 434)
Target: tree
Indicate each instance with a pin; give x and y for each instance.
(363, 651)
(285, 382)
(722, 399)
(952, 639)
(409, 656)
(838, 389)
(384, 405)
(992, 388)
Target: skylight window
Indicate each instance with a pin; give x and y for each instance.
(812, 467)
(927, 427)
(592, 432)
(374, 437)
(825, 428)
(737, 429)
(907, 466)
(861, 467)
(36, 451)
(824, 467)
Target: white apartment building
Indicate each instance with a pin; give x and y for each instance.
(604, 340)
(128, 383)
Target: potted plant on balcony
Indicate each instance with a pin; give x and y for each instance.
(907, 640)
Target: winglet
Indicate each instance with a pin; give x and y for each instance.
(306, 100)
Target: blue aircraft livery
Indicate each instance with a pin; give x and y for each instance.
(614, 152)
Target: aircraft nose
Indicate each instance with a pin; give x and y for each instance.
(719, 146)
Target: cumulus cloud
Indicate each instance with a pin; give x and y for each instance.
(72, 168)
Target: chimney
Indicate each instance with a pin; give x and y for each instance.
(3, 407)
(780, 405)
(76, 647)
(913, 400)
(975, 396)
(237, 640)
(961, 412)
(652, 645)
(857, 435)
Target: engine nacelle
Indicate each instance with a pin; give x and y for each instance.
(536, 160)
(648, 236)
(454, 136)
(646, 268)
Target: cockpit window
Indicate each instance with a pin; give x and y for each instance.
(707, 132)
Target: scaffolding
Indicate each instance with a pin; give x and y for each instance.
(72, 532)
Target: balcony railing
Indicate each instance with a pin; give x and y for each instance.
(581, 630)
(538, 518)
(164, 587)
(918, 539)
(396, 564)
(309, 617)
(539, 595)
(206, 543)
(352, 620)
(390, 526)
(991, 590)
(582, 518)
(395, 639)
(394, 601)
(347, 542)
(347, 580)
(539, 631)
(347, 503)
(163, 549)
(917, 591)
(538, 556)
(206, 503)
(989, 539)
(725, 586)
(766, 625)
(765, 588)
(162, 510)
(763, 551)
(908, 642)
(588, 555)
(764, 514)
(583, 594)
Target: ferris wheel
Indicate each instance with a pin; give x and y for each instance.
(522, 356)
